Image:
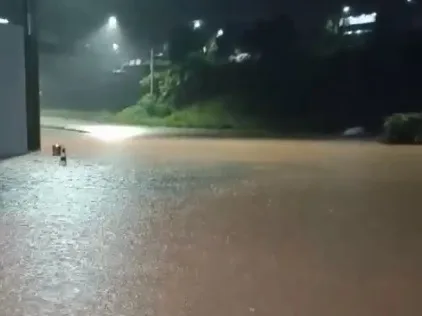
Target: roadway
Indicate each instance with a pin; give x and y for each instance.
(157, 226)
(121, 131)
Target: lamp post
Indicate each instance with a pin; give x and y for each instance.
(152, 72)
(32, 75)
(345, 13)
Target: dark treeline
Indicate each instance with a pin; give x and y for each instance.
(332, 83)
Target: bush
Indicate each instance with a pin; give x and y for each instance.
(154, 107)
(214, 114)
(207, 114)
(403, 128)
(146, 112)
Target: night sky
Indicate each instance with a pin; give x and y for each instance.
(155, 17)
(70, 19)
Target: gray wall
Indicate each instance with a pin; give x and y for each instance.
(13, 120)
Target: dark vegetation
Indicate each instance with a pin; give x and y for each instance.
(405, 128)
(336, 83)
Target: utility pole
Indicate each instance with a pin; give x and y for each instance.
(32, 75)
(151, 65)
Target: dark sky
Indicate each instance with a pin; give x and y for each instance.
(154, 18)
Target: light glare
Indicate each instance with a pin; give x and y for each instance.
(112, 133)
(197, 24)
(112, 22)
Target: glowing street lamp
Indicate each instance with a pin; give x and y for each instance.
(346, 9)
(220, 32)
(4, 21)
(112, 23)
(197, 24)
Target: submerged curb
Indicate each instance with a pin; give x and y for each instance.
(63, 128)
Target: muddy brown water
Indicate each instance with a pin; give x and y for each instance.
(211, 227)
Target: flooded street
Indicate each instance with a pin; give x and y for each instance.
(174, 227)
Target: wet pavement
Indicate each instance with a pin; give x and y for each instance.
(208, 227)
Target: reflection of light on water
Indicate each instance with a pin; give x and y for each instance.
(110, 133)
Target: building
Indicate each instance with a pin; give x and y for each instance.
(19, 92)
(357, 24)
(348, 23)
(392, 17)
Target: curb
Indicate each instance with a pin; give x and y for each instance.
(63, 128)
(174, 133)
(227, 134)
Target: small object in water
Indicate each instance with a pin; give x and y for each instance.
(354, 131)
(63, 158)
(56, 150)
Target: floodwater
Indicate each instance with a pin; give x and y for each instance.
(173, 227)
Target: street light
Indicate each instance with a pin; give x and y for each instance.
(112, 23)
(220, 32)
(197, 24)
(346, 9)
(4, 21)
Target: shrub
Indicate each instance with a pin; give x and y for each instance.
(132, 114)
(217, 113)
(148, 111)
(154, 107)
(403, 128)
(207, 114)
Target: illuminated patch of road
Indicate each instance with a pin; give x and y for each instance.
(113, 133)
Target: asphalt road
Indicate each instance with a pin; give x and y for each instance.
(178, 227)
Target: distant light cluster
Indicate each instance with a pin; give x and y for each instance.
(361, 19)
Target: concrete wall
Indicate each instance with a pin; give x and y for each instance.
(13, 119)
